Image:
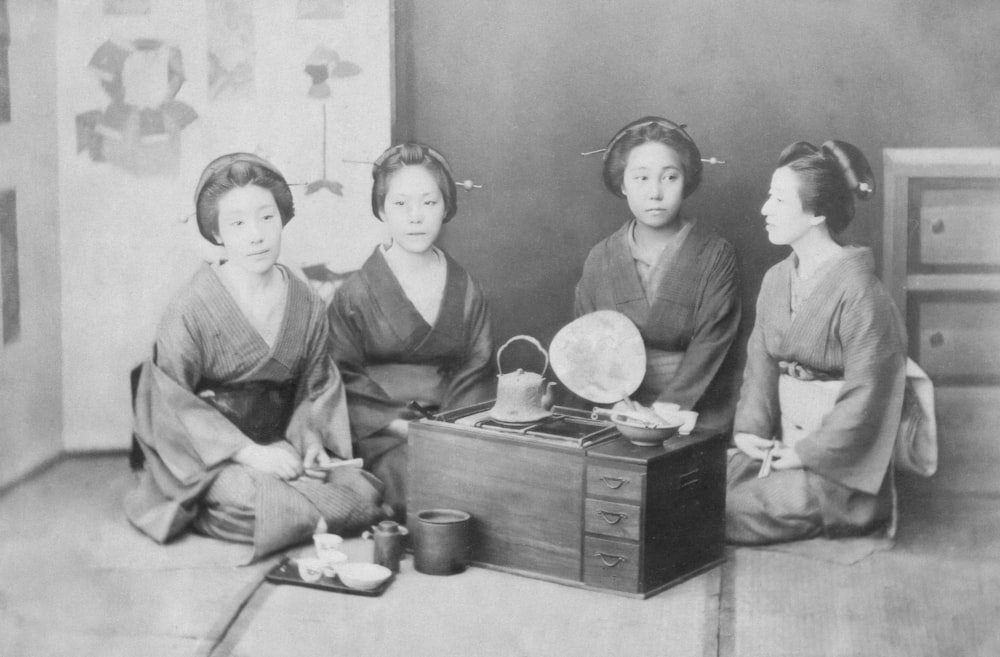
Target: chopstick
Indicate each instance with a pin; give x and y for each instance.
(765, 467)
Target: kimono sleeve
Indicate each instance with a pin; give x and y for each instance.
(371, 408)
(321, 413)
(472, 380)
(178, 421)
(854, 443)
(717, 321)
(758, 411)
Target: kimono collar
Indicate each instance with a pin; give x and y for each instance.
(626, 286)
(406, 321)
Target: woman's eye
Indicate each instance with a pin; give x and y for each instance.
(430, 202)
(238, 222)
(398, 203)
(268, 217)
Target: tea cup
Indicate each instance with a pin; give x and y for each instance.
(310, 569)
(327, 544)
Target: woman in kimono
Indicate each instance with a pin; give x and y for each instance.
(241, 406)
(411, 325)
(823, 387)
(672, 275)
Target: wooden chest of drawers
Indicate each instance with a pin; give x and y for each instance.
(611, 516)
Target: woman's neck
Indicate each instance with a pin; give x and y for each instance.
(813, 249)
(656, 238)
(407, 261)
(249, 284)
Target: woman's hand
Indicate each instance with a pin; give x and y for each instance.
(785, 458)
(271, 459)
(753, 446)
(315, 456)
(399, 428)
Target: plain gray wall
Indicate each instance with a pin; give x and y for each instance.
(512, 91)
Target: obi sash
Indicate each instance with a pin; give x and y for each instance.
(806, 397)
(425, 384)
(661, 367)
(260, 409)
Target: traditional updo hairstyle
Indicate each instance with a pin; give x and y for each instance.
(651, 128)
(408, 155)
(234, 170)
(830, 177)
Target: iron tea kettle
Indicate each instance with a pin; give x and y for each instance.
(522, 396)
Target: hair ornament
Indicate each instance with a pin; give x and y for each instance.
(648, 121)
(467, 185)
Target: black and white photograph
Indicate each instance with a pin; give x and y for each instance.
(502, 328)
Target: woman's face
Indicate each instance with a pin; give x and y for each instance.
(785, 219)
(653, 184)
(250, 228)
(413, 209)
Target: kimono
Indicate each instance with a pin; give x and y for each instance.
(688, 323)
(389, 356)
(214, 386)
(848, 331)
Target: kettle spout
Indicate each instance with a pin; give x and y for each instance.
(549, 396)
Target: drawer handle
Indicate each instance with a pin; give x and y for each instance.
(937, 226)
(611, 517)
(614, 483)
(689, 482)
(937, 340)
(611, 560)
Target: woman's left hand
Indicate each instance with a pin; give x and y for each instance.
(315, 456)
(785, 458)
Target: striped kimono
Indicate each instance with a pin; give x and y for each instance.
(688, 316)
(205, 349)
(389, 356)
(846, 328)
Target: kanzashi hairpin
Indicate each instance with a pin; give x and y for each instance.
(467, 185)
(706, 160)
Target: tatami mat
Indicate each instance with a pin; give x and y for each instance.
(77, 579)
(479, 612)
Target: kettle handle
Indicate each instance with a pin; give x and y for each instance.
(530, 339)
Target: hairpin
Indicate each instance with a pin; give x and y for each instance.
(706, 160)
(467, 185)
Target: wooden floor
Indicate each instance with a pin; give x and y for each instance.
(75, 579)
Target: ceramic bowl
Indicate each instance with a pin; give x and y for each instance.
(327, 544)
(644, 435)
(310, 569)
(363, 576)
(332, 560)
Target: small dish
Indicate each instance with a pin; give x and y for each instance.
(326, 544)
(644, 435)
(331, 561)
(310, 569)
(363, 576)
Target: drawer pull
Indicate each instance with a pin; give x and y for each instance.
(937, 226)
(690, 472)
(689, 482)
(937, 340)
(611, 560)
(611, 517)
(614, 483)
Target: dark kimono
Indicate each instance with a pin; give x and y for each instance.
(389, 356)
(689, 325)
(846, 329)
(192, 415)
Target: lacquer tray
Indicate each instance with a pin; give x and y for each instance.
(287, 572)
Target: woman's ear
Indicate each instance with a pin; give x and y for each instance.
(816, 220)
